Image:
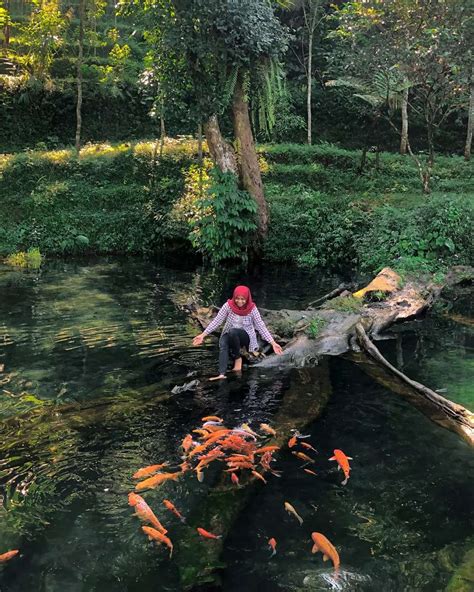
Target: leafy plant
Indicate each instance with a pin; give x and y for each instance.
(30, 259)
(225, 219)
(316, 325)
(344, 304)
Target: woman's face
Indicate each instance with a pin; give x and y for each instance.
(240, 301)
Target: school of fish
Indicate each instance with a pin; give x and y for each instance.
(243, 457)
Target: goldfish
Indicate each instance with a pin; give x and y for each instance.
(155, 535)
(272, 544)
(234, 479)
(8, 555)
(146, 471)
(259, 476)
(202, 433)
(156, 480)
(343, 462)
(266, 459)
(187, 443)
(267, 429)
(304, 457)
(289, 508)
(309, 471)
(328, 550)
(213, 436)
(171, 507)
(292, 441)
(212, 418)
(308, 446)
(267, 449)
(214, 427)
(144, 512)
(208, 535)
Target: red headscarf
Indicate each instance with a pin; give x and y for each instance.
(248, 306)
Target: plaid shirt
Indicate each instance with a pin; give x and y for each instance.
(248, 323)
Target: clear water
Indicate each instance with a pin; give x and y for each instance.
(91, 351)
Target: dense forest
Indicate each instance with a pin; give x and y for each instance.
(367, 76)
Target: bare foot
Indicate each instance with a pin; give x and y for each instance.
(237, 365)
(220, 377)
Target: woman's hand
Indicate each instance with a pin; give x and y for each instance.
(277, 348)
(199, 339)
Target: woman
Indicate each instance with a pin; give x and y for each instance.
(242, 318)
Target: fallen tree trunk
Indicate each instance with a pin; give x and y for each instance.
(335, 329)
(442, 411)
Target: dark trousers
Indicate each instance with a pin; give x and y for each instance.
(229, 345)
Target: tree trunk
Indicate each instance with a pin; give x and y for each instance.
(470, 120)
(80, 58)
(249, 168)
(222, 153)
(404, 136)
(162, 127)
(310, 85)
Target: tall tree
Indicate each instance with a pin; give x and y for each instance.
(221, 54)
(423, 41)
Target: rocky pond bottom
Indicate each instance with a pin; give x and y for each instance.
(91, 352)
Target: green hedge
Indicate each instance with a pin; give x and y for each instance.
(111, 200)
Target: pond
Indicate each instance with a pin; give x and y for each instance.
(91, 351)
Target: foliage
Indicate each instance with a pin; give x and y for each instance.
(106, 202)
(314, 328)
(344, 304)
(225, 219)
(30, 259)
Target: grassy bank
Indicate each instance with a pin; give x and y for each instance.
(324, 210)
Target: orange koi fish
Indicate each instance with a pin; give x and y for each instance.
(155, 535)
(328, 550)
(343, 462)
(272, 544)
(208, 535)
(244, 464)
(157, 480)
(213, 428)
(212, 418)
(267, 449)
(187, 443)
(308, 446)
(144, 512)
(146, 471)
(267, 429)
(184, 466)
(171, 507)
(202, 433)
(303, 456)
(259, 476)
(292, 441)
(289, 508)
(310, 472)
(8, 555)
(213, 436)
(234, 479)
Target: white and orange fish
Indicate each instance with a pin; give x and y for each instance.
(158, 537)
(289, 508)
(272, 544)
(343, 462)
(144, 512)
(321, 543)
(267, 429)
